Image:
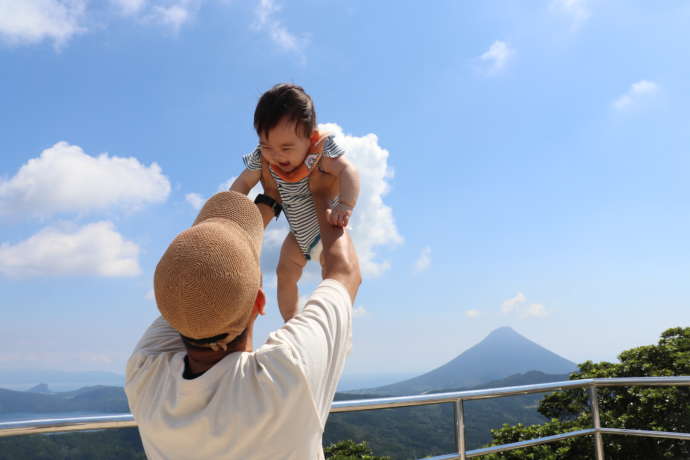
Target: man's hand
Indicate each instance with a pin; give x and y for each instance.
(340, 259)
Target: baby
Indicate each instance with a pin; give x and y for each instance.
(290, 148)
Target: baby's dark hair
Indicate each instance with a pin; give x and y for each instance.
(285, 100)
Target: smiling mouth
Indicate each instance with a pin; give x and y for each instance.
(284, 164)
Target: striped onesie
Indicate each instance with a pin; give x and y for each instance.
(296, 196)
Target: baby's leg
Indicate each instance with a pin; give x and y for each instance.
(289, 271)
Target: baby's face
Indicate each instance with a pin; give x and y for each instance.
(284, 147)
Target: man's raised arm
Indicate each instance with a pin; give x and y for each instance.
(340, 259)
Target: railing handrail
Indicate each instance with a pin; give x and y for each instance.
(52, 425)
(469, 395)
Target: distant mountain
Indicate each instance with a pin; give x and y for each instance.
(528, 378)
(402, 433)
(502, 353)
(40, 388)
(93, 399)
(22, 379)
(416, 432)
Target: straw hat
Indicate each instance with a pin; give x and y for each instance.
(207, 280)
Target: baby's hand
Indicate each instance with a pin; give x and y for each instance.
(340, 215)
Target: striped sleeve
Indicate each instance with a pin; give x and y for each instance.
(331, 149)
(253, 160)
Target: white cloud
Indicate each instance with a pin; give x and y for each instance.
(270, 281)
(518, 304)
(226, 185)
(359, 312)
(196, 200)
(171, 13)
(424, 260)
(174, 15)
(496, 58)
(266, 21)
(577, 11)
(33, 21)
(65, 179)
(129, 7)
(472, 313)
(252, 193)
(372, 223)
(94, 249)
(535, 310)
(511, 304)
(636, 94)
(274, 236)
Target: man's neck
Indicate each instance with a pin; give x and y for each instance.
(201, 360)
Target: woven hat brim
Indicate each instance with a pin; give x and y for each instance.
(207, 281)
(238, 208)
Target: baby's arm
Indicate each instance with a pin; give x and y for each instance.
(245, 182)
(349, 188)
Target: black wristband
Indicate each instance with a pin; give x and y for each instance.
(270, 202)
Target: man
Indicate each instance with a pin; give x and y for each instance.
(196, 387)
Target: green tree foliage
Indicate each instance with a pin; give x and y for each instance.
(656, 408)
(349, 450)
(123, 444)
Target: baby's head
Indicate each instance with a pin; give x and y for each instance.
(284, 120)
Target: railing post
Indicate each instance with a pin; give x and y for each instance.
(598, 441)
(460, 428)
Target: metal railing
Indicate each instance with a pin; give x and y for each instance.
(457, 398)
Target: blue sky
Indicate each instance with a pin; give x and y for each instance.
(524, 164)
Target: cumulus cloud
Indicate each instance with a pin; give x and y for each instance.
(266, 20)
(472, 313)
(95, 249)
(509, 305)
(129, 7)
(495, 59)
(196, 200)
(66, 179)
(535, 310)
(372, 223)
(424, 260)
(33, 21)
(636, 95)
(270, 281)
(274, 234)
(577, 11)
(171, 13)
(174, 15)
(226, 186)
(519, 305)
